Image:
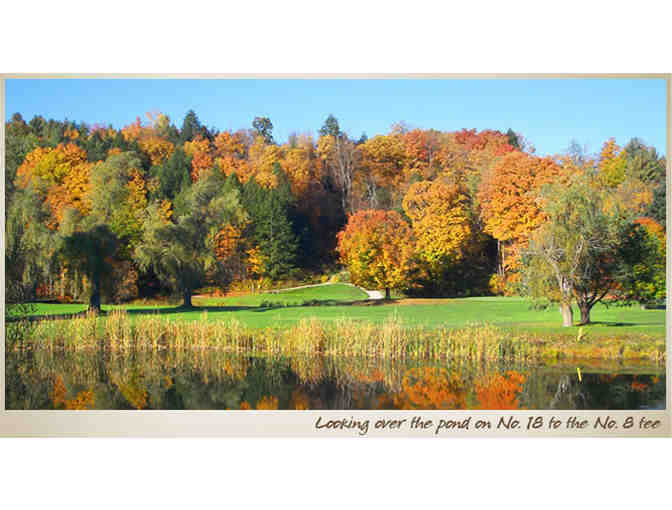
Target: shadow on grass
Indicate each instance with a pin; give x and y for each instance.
(185, 309)
(264, 307)
(176, 310)
(134, 311)
(618, 324)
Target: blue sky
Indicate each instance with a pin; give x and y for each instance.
(549, 112)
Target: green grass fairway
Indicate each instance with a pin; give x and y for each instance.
(324, 294)
(339, 301)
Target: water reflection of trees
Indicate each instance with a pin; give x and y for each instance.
(202, 379)
(603, 391)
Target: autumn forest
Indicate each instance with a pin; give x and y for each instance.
(153, 252)
(152, 209)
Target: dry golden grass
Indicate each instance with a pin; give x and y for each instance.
(344, 338)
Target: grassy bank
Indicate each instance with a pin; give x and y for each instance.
(391, 339)
(338, 302)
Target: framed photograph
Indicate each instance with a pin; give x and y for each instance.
(335, 255)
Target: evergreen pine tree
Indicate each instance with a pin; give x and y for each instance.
(271, 228)
(513, 139)
(192, 127)
(173, 175)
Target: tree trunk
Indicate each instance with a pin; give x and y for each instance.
(585, 314)
(187, 299)
(567, 315)
(387, 293)
(500, 260)
(94, 300)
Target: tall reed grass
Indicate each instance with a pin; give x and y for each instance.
(344, 338)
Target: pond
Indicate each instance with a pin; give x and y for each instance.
(211, 379)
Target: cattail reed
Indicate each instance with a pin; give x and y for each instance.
(392, 339)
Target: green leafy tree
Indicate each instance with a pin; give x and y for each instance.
(118, 198)
(19, 141)
(28, 250)
(641, 276)
(182, 253)
(577, 254)
(644, 163)
(89, 252)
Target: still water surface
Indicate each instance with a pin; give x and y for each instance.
(216, 380)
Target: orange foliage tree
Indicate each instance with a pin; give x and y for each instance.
(377, 248)
(421, 147)
(230, 250)
(231, 154)
(202, 159)
(431, 388)
(469, 155)
(149, 140)
(510, 209)
(500, 391)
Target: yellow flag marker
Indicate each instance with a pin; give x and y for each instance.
(578, 371)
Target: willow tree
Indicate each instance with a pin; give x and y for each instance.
(28, 250)
(577, 255)
(89, 252)
(181, 250)
(118, 197)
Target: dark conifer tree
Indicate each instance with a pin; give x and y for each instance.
(271, 228)
(513, 139)
(173, 175)
(192, 128)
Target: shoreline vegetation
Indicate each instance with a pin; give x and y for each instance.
(391, 339)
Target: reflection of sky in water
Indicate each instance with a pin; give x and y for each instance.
(215, 380)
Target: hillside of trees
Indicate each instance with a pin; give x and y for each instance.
(105, 215)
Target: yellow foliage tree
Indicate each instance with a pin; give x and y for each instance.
(61, 175)
(439, 213)
(300, 162)
(262, 160)
(612, 164)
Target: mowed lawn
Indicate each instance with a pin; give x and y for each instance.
(340, 301)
